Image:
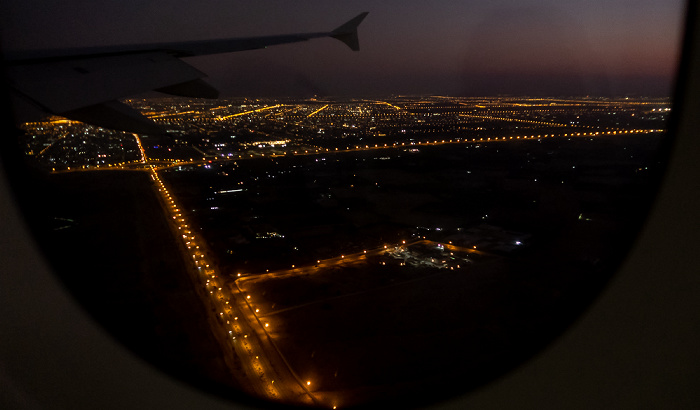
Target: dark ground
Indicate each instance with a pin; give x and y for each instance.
(107, 238)
(582, 201)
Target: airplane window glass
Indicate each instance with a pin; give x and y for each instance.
(401, 209)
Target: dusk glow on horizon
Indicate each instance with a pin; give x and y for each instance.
(406, 47)
(397, 204)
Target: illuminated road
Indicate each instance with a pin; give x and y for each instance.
(348, 259)
(225, 117)
(317, 111)
(145, 163)
(246, 335)
(243, 338)
(245, 284)
(389, 146)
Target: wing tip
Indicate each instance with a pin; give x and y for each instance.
(347, 33)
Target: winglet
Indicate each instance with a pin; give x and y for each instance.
(347, 33)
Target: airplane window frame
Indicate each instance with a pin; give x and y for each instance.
(120, 383)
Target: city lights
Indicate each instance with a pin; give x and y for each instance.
(286, 212)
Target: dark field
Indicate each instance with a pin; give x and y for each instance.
(358, 330)
(108, 240)
(362, 329)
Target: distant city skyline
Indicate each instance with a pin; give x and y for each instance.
(596, 47)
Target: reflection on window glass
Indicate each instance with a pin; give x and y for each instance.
(397, 224)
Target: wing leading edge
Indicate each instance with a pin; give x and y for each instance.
(84, 84)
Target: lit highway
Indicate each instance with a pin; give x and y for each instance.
(244, 333)
(254, 130)
(144, 165)
(243, 338)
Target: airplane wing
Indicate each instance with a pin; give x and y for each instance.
(84, 84)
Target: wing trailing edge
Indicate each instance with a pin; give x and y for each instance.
(117, 116)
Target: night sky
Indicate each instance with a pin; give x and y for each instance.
(478, 47)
